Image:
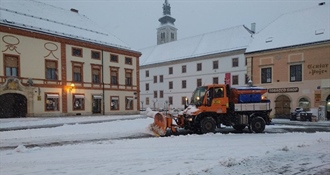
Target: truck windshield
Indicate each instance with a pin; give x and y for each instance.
(198, 95)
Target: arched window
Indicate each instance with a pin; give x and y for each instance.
(304, 103)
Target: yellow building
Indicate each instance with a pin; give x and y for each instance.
(57, 62)
(291, 57)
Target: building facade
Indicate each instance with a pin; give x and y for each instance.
(291, 57)
(55, 62)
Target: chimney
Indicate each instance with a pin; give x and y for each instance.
(74, 10)
(321, 3)
(253, 27)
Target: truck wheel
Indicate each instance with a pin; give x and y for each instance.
(239, 127)
(208, 125)
(258, 125)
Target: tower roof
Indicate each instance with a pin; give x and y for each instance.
(166, 14)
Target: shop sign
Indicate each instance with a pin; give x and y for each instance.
(283, 90)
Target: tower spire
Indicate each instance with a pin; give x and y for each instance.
(167, 31)
(166, 8)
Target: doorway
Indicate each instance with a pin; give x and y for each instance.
(13, 105)
(282, 107)
(96, 108)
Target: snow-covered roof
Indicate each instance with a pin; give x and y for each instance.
(45, 18)
(305, 26)
(225, 40)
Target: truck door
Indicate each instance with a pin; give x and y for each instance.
(217, 100)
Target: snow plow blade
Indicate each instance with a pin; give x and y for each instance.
(159, 126)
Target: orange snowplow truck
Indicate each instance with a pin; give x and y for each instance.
(214, 105)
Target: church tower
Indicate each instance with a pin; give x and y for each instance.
(167, 31)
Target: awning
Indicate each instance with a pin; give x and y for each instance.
(79, 96)
(52, 95)
(97, 97)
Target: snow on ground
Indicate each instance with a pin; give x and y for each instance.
(118, 149)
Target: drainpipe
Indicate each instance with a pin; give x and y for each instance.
(103, 99)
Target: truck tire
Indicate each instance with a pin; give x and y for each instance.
(208, 124)
(239, 127)
(258, 124)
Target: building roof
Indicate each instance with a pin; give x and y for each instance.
(45, 18)
(225, 40)
(305, 26)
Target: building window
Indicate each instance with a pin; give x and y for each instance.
(128, 60)
(11, 65)
(147, 73)
(78, 52)
(199, 66)
(96, 55)
(96, 74)
(199, 82)
(215, 80)
(52, 102)
(147, 101)
(295, 73)
(184, 84)
(147, 86)
(170, 70)
(155, 94)
(184, 100)
(161, 94)
(235, 62)
(114, 75)
(155, 79)
(51, 70)
(114, 58)
(184, 69)
(77, 72)
(247, 79)
(172, 36)
(266, 75)
(128, 77)
(129, 103)
(170, 84)
(114, 105)
(235, 79)
(78, 102)
(304, 103)
(215, 64)
(162, 35)
(170, 100)
(161, 77)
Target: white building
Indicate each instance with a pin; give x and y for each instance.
(170, 72)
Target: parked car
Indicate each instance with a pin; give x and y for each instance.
(301, 115)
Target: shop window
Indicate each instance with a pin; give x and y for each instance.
(52, 102)
(78, 102)
(129, 103)
(304, 103)
(114, 103)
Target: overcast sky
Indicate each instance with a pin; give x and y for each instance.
(136, 21)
